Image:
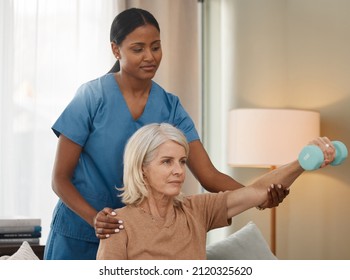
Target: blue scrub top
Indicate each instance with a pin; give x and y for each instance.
(99, 120)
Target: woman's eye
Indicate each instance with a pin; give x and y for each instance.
(155, 49)
(137, 50)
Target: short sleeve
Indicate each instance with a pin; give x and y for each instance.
(185, 123)
(166, 107)
(76, 120)
(211, 208)
(113, 248)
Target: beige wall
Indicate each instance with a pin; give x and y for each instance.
(291, 54)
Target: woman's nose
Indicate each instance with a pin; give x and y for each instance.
(178, 169)
(148, 55)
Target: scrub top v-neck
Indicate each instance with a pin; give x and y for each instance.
(99, 120)
(145, 112)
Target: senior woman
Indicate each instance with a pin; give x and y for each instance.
(162, 223)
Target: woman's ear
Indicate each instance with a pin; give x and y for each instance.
(115, 50)
(144, 178)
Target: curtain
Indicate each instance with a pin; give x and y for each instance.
(48, 49)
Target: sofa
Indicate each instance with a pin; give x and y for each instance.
(245, 244)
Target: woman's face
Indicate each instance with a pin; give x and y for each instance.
(140, 53)
(166, 173)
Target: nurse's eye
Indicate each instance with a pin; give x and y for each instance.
(137, 50)
(156, 48)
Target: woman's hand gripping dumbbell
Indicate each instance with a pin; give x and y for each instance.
(322, 152)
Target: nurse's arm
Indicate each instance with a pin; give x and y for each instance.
(66, 159)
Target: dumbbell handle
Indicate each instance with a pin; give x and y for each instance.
(311, 156)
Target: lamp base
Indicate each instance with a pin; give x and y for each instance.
(273, 230)
(273, 225)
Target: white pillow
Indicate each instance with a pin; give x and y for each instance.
(25, 252)
(245, 244)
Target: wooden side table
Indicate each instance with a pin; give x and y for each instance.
(11, 249)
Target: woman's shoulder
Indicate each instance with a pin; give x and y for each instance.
(191, 201)
(204, 198)
(98, 90)
(122, 211)
(98, 84)
(158, 89)
(127, 211)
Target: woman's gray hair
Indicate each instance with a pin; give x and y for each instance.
(140, 151)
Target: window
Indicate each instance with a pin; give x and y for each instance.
(47, 52)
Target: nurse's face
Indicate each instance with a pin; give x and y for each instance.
(140, 53)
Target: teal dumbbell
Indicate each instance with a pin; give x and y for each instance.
(311, 156)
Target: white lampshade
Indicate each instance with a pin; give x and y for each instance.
(269, 137)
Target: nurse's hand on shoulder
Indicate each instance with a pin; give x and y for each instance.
(107, 223)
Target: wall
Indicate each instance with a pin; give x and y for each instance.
(289, 54)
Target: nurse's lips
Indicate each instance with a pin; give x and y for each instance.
(150, 67)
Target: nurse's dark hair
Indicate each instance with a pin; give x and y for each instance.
(125, 23)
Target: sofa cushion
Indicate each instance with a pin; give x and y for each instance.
(25, 252)
(247, 243)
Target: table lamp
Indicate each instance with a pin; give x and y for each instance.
(268, 138)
